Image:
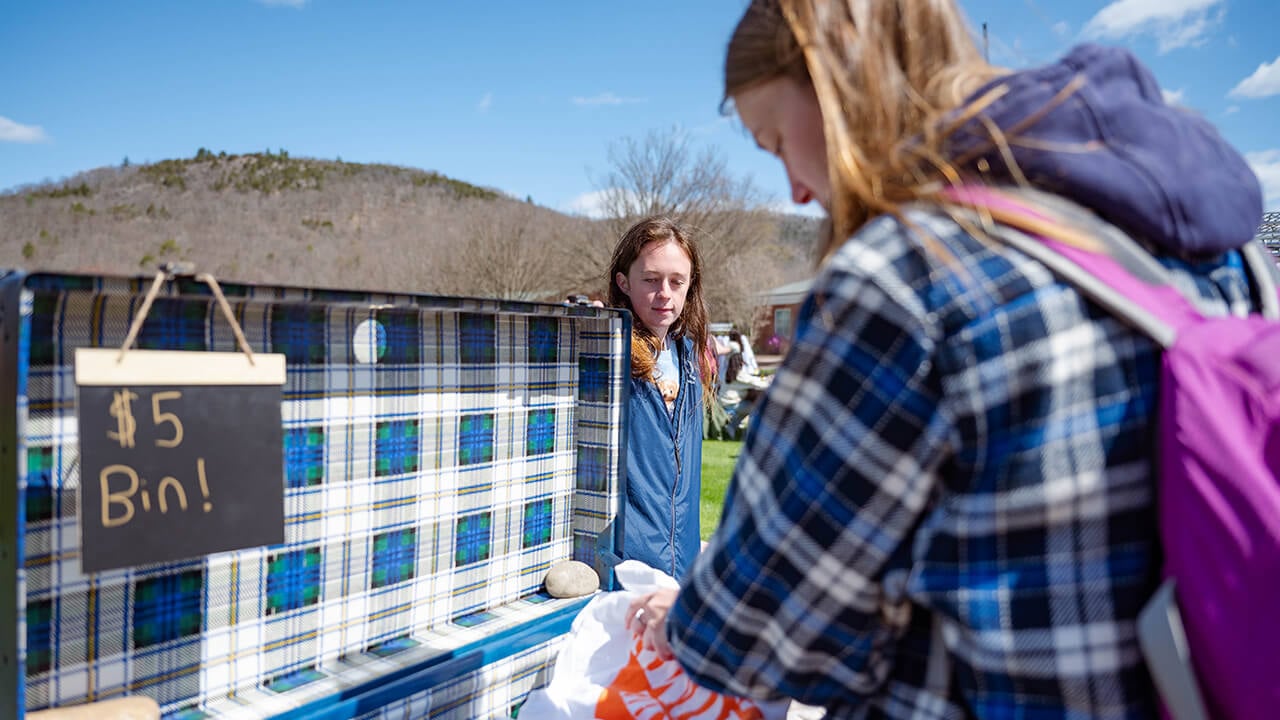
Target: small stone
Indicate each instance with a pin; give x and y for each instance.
(570, 578)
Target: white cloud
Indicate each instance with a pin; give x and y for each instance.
(284, 3)
(1232, 110)
(606, 98)
(1062, 29)
(1266, 165)
(1264, 82)
(588, 204)
(11, 131)
(485, 103)
(1174, 97)
(1174, 23)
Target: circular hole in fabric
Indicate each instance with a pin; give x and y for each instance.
(369, 343)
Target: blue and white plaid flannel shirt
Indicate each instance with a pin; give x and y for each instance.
(958, 438)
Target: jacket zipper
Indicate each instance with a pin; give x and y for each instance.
(675, 443)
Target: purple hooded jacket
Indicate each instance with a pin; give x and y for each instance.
(1161, 173)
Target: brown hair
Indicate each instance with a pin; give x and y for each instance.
(887, 74)
(692, 322)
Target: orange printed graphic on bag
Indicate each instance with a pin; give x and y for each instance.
(650, 688)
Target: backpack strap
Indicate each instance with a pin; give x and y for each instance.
(1120, 276)
(1266, 276)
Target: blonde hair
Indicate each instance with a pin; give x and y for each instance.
(890, 76)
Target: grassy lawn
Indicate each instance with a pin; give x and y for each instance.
(718, 459)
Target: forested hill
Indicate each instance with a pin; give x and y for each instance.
(272, 218)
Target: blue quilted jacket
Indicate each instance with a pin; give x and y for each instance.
(664, 471)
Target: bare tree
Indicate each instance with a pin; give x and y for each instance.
(504, 254)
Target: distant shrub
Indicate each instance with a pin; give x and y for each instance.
(28, 250)
(267, 173)
(167, 173)
(457, 187)
(81, 190)
(124, 211)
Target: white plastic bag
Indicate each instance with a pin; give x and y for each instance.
(603, 671)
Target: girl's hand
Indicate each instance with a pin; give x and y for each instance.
(647, 615)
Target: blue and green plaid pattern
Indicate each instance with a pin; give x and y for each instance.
(394, 557)
(403, 333)
(544, 340)
(293, 580)
(477, 338)
(39, 640)
(167, 607)
(398, 446)
(475, 539)
(298, 332)
(39, 506)
(173, 325)
(475, 439)
(304, 456)
(542, 432)
(538, 519)
(427, 493)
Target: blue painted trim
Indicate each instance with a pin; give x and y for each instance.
(14, 343)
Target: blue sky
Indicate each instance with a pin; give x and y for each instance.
(522, 96)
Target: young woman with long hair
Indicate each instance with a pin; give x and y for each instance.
(946, 505)
(656, 273)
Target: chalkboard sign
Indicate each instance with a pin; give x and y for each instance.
(181, 454)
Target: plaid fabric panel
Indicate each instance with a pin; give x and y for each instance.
(433, 475)
(600, 389)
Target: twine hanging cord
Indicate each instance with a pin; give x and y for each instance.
(205, 278)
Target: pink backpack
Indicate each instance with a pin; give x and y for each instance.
(1215, 651)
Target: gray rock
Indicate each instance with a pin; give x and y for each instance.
(570, 578)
